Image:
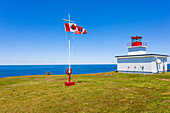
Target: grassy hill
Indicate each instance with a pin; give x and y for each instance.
(104, 92)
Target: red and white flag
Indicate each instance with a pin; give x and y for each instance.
(81, 30)
(71, 27)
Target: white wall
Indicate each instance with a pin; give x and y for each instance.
(149, 64)
(137, 50)
(137, 53)
(124, 67)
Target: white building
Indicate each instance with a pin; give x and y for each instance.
(137, 61)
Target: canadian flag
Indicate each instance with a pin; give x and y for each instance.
(71, 27)
(81, 31)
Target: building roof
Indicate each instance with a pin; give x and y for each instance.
(143, 55)
(136, 37)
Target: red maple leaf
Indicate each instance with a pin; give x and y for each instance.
(73, 27)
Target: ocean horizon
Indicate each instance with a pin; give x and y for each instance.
(21, 70)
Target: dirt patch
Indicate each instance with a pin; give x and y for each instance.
(163, 79)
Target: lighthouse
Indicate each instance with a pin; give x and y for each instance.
(138, 61)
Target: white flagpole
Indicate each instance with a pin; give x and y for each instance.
(69, 38)
(69, 83)
(69, 43)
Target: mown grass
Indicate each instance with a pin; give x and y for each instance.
(104, 92)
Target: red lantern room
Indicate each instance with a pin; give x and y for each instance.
(136, 41)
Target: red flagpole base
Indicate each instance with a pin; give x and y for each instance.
(69, 83)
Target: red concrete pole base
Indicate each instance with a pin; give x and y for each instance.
(69, 83)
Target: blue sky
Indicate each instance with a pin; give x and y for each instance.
(32, 31)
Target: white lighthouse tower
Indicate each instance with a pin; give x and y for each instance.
(138, 61)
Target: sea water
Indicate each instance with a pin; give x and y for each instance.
(19, 70)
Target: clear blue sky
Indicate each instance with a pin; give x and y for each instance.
(32, 31)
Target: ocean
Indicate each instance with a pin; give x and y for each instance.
(19, 70)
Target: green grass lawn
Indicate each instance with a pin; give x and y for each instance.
(105, 92)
